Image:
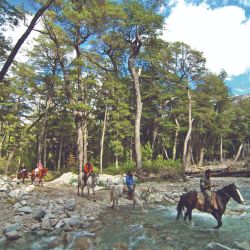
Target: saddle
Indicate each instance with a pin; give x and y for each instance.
(201, 201)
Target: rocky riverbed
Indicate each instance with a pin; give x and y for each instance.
(56, 208)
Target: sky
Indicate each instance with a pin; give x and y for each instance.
(218, 28)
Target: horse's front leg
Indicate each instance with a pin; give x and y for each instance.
(188, 214)
(218, 217)
(82, 189)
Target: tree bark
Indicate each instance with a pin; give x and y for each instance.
(202, 153)
(136, 45)
(176, 137)
(221, 149)
(23, 38)
(11, 154)
(43, 130)
(190, 121)
(239, 152)
(85, 142)
(60, 153)
(102, 137)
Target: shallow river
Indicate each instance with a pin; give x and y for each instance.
(157, 229)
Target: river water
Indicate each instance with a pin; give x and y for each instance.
(157, 229)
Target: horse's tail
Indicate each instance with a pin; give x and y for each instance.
(180, 207)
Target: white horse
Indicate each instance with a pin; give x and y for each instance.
(91, 183)
(117, 191)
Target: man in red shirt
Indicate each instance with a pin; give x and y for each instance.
(87, 170)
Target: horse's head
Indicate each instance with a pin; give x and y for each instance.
(95, 178)
(234, 192)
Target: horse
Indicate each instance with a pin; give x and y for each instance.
(220, 198)
(40, 175)
(90, 183)
(117, 191)
(23, 175)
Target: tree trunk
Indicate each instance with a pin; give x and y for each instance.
(116, 161)
(136, 85)
(43, 130)
(60, 153)
(79, 126)
(190, 121)
(166, 153)
(85, 149)
(11, 154)
(155, 132)
(102, 137)
(189, 154)
(239, 152)
(23, 38)
(1, 143)
(176, 137)
(221, 149)
(202, 153)
(45, 148)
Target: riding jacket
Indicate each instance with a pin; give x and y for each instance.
(129, 180)
(88, 168)
(205, 183)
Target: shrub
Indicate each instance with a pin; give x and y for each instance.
(124, 168)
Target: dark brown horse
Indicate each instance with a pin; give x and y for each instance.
(39, 176)
(23, 175)
(220, 198)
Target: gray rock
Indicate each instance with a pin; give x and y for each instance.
(242, 245)
(67, 228)
(70, 204)
(14, 193)
(59, 224)
(39, 213)
(13, 235)
(58, 209)
(46, 224)
(53, 222)
(23, 202)
(75, 221)
(35, 226)
(217, 246)
(12, 227)
(25, 209)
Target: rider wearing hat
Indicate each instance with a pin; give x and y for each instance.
(205, 186)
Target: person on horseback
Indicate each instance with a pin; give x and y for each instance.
(87, 170)
(205, 186)
(39, 166)
(130, 184)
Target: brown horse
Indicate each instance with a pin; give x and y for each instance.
(40, 175)
(220, 198)
(23, 175)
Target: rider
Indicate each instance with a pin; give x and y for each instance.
(87, 170)
(130, 184)
(39, 166)
(205, 186)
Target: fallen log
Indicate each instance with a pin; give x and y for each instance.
(221, 173)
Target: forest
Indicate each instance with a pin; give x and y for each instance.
(100, 84)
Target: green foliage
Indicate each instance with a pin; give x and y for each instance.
(51, 175)
(124, 168)
(116, 147)
(3, 163)
(147, 152)
(167, 168)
